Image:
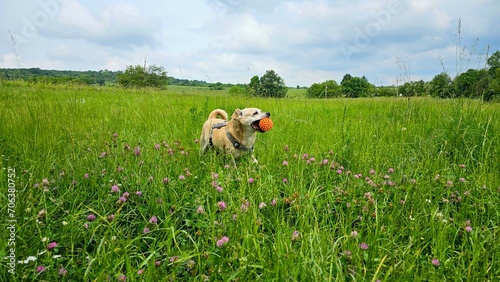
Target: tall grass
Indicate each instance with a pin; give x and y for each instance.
(385, 189)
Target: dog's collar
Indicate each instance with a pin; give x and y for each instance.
(236, 143)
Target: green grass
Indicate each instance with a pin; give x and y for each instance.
(406, 177)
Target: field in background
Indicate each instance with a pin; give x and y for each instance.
(109, 185)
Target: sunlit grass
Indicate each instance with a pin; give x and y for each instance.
(392, 189)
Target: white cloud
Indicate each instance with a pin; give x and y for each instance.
(441, 20)
(74, 15)
(9, 60)
(232, 40)
(60, 51)
(119, 23)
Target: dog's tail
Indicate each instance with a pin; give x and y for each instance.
(218, 112)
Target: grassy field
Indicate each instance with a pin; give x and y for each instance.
(106, 184)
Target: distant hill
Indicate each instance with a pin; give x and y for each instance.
(102, 77)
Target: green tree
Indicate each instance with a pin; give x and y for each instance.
(217, 86)
(138, 76)
(493, 92)
(253, 87)
(385, 91)
(355, 87)
(481, 85)
(413, 88)
(346, 78)
(465, 82)
(268, 85)
(327, 89)
(494, 63)
(441, 86)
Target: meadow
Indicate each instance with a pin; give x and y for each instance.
(107, 184)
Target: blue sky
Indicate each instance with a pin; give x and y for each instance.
(388, 41)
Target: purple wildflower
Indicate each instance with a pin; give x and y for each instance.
(435, 262)
(91, 217)
(62, 271)
(153, 220)
(222, 241)
(222, 205)
(363, 246)
(51, 245)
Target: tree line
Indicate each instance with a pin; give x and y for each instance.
(101, 77)
(474, 83)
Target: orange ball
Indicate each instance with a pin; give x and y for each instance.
(266, 124)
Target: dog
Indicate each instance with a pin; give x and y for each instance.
(235, 136)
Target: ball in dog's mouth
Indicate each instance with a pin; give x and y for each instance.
(263, 125)
(255, 125)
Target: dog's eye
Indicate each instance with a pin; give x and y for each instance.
(256, 113)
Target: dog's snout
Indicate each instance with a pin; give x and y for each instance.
(268, 114)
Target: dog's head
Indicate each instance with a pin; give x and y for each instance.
(249, 118)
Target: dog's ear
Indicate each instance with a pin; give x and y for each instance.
(237, 114)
